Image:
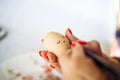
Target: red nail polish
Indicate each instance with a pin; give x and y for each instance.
(46, 57)
(73, 45)
(82, 42)
(52, 66)
(69, 31)
(40, 53)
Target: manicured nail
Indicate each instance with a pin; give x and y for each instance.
(40, 53)
(46, 57)
(72, 45)
(69, 31)
(52, 66)
(68, 38)
(82, 42)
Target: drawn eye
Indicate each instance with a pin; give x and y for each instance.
(63, 36)
(58, 42)
(63, 41)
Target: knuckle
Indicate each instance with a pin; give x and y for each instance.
(95, 43)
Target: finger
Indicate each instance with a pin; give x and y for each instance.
(48, 56)
(52, 57)
(64, 61)
(70, 35)
(94, 47)
(77, 50)
(66, 55)
(56, 66)
(42, 53)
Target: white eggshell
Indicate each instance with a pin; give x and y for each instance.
(56, 43)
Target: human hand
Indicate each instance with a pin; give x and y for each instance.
(53, 59)
(75, 65)
(85, 71)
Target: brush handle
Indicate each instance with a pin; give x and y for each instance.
(104, 64)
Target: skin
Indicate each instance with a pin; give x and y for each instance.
(74, 61)
(114, 49)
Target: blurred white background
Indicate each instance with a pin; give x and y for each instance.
(27, 21)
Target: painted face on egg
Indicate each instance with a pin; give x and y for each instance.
(56, 43)
(61, 41)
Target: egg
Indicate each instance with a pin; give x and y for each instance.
(56, 43)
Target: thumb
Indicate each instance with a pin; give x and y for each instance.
(70, 35)
(65, 57)
(64, 60)
(77, 50)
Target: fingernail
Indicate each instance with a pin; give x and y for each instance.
(40, 53)
(46, 57)
(52, 66)
(68, 38)
(72, 45)
(82, 42)
(69, 31)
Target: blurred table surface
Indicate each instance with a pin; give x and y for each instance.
(27, 21)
